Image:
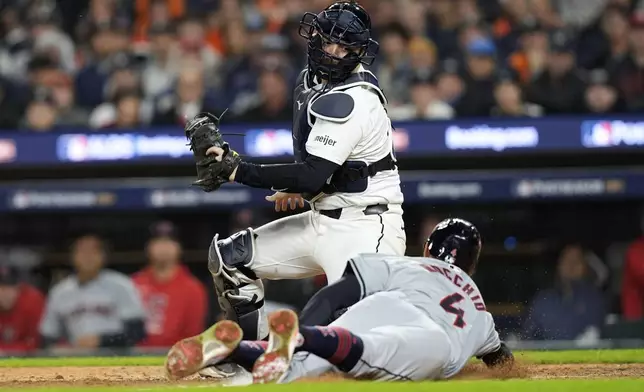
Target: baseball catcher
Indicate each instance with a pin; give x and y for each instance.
(344, 167)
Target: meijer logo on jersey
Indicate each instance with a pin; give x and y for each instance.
(612, 133)
(326, 140)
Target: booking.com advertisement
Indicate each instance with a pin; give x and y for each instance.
(439, 138)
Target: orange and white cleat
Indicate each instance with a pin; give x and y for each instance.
(190, 355)
(271, 366)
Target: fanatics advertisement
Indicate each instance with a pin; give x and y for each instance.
(419, 188)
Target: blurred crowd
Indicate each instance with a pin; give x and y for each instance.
(96, 307)
(90, 303)
(138, 63)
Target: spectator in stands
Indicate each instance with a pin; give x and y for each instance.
(45, 74)
(531, 58)
(233, 42)
(240, 83)
(15, 52)
(545, 12)
(187, 100)
(69, 113)
(383, 13)
(10, 113)
(560, 88)
(124, 75)
(191, 38)
(94, 307)
(444, 22)
(422, 56)
(413, 15)
(152, 14)
(98, 13)
(600, 96)
(162, 67)
(509, 101)
(274, 99)
(123, 86)
(509, 20)
(21, 308)
(41, 114)
(175, 301)
(393, 65)
(633, 279)
(42, 71)
(450, 86)
(573, 309)
(579, 14)
(128, 105)
(480, 77)
(108, 39)
(628, 73)
(606, 43)
(50, 40)
(470, 32)
(425, 103)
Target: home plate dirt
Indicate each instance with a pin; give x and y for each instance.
(151, 375)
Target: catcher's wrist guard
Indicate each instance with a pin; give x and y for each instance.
(203, 133)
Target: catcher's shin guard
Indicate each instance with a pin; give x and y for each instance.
(240, 291)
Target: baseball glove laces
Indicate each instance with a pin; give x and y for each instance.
(213, 170)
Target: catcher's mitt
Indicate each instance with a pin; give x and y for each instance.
(202, 133)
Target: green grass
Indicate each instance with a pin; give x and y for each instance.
(82, 361)
(540, 357)
(523, 385)
(622, 385)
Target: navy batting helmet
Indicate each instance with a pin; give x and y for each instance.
(346, 24)
(455, 241)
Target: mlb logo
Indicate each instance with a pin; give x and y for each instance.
(73, 148)
(8, 150)
(597, 134)
(268, 142)
(20, 200)
(524, 188)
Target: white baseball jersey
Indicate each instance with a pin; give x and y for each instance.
(366, 136)
(358, 136)
(444, 292)
(97, 307)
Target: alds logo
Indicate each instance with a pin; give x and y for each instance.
(326, 140)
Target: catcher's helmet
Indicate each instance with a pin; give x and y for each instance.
(344, 23)
(455, 241)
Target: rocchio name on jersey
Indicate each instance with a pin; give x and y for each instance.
(457, 280)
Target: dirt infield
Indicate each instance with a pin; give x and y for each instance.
(146, 375)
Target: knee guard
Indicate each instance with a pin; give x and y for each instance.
(232, 254)
(240, 291)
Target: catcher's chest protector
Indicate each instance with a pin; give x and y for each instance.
(302, 121)
(303, 96)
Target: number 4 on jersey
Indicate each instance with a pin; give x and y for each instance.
(448, 303)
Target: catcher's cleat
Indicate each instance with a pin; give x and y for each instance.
(271, 366)
(190, 355)
(226, 374)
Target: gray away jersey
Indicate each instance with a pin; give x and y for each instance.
(95, 308)
(444, 292)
